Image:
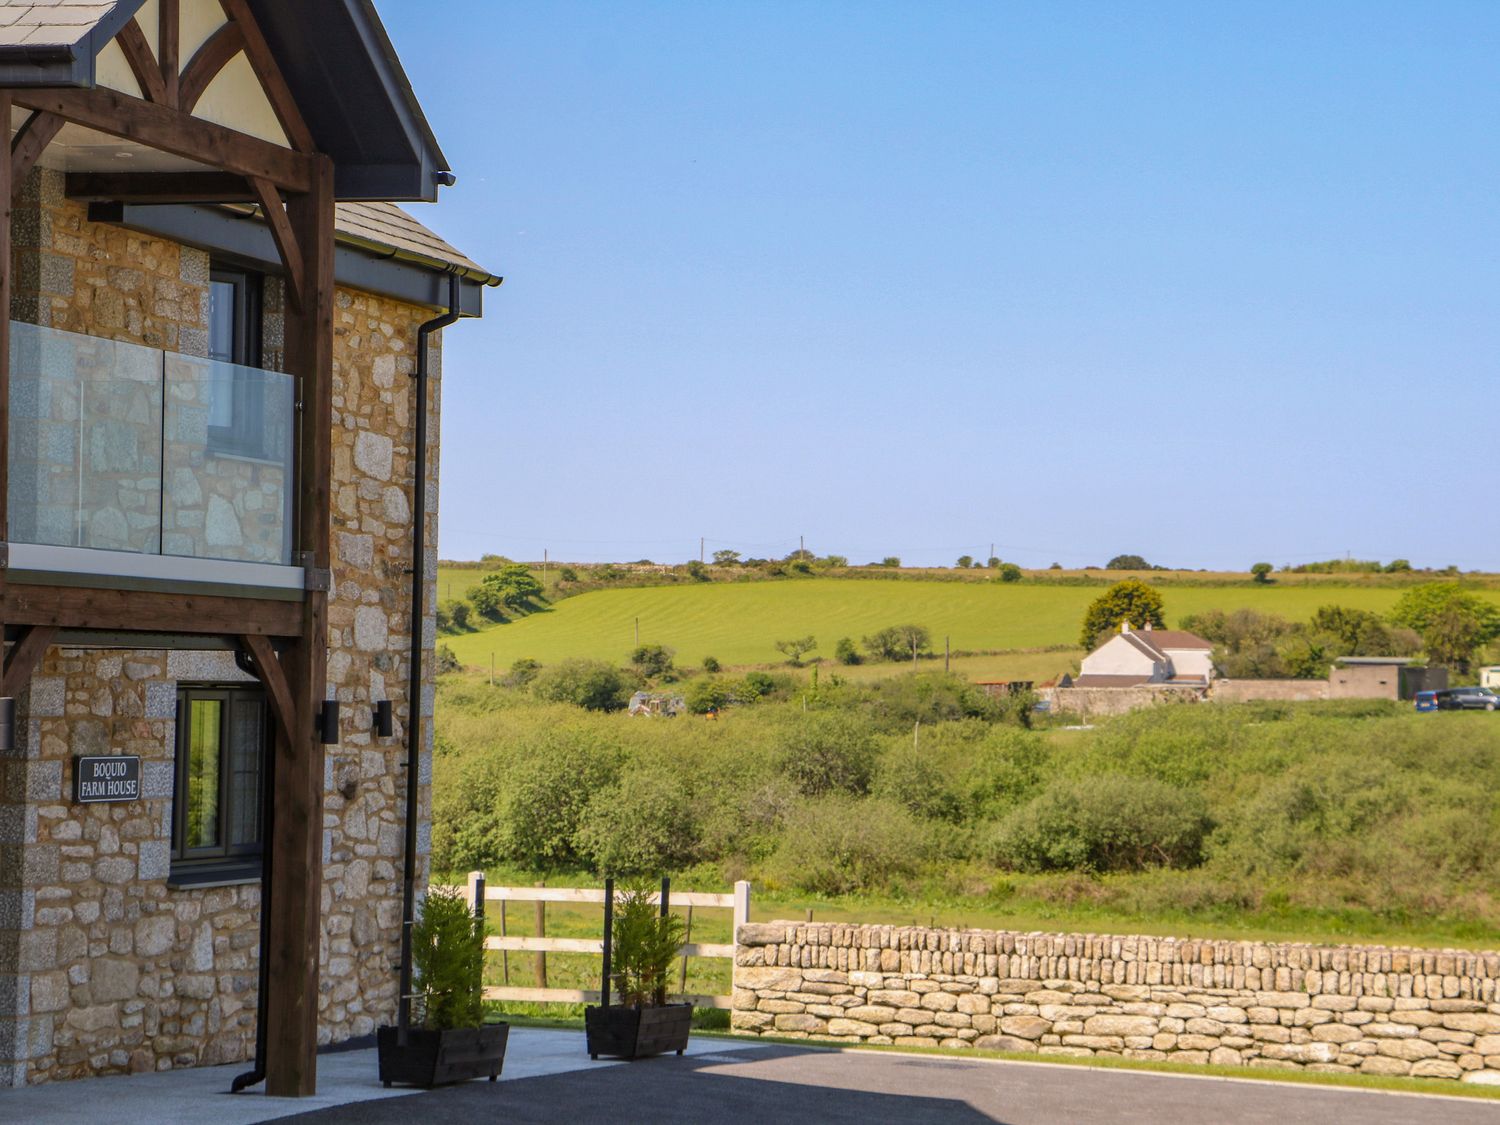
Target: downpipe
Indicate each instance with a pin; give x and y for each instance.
(414, 681)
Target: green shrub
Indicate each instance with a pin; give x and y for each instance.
(591, 684)
(447, 951)
(703, 696)
(711, 664)
(523, 672)
(1105, 823)
(645, 823)
(652, 660)
(567, 574)
(757, 685)
(837, 844)
(845, 651)
(446, 659)
(898, 642)
(830, 752)
(645, 945)
(1010, 572)
(541, 807)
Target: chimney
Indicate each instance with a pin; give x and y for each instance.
(1148, 626)
(1124, 626)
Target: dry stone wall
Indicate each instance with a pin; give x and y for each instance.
(1346, 1009)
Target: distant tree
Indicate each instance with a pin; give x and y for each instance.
(458, 612)
(1055, 566)
(1358, 632)
(801, 554)
(845, 652)
(711, 664)
(1398, 566)
(1010, 572)
(1454, 623)
(794, 650)
(993, 562)
(1131, 600)
(726, 558)
(964, 562)
(591, 684)
(1127, 562)
(510, 587)
(898, 642)
(652, 660)
(567, 574)
(891, 561)
(1261, 571)
(836, 560)
(697, 570)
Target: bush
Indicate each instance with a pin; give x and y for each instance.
(1010, 572)
(447, 950)
(652, 660)
(1103, 824)
(703, 696)
(446, 660)
(522, 672)
(697, 570)
(845, 652)
(756, 685)
(711, 664)
(591, 684)
(644, 824)
(892, 561)
(542, 803)
(838, 844)
(567, 574)
(898, 642)
(796, 648)
(1261, 571)
(458, 612)
(831, 752)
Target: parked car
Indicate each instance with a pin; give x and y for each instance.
(1468, 699)
(1426, 700)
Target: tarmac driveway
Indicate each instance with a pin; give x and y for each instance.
(784, 1084)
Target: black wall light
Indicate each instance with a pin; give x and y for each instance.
(383, 718)
(328, 722)
(7, 724)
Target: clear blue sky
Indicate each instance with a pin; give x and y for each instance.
(1203, 282)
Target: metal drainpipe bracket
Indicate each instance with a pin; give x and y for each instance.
(317, 578)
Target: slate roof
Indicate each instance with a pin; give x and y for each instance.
(60, 23)
(386, 226)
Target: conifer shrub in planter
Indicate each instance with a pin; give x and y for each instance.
(641, 945)
(451, 1042)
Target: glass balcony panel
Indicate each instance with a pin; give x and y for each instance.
(228, 462)
(85, 441)
(119, 447)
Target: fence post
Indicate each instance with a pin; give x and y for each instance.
(686, 938)
(541, 931)
(504, 953)
(741, 904)
(476, 897)
(609, 938)
(476, 882)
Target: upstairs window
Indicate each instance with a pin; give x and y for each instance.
(236, 409)
(222, 743)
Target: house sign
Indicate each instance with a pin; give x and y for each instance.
(115, 778)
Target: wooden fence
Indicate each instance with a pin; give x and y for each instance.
(540, 945)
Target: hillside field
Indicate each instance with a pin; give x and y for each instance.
(739, 623)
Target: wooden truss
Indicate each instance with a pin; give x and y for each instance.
(286, 640)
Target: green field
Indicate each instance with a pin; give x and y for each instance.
(739, 623)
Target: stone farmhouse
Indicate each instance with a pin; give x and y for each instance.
(219, 399)
(1134, 658)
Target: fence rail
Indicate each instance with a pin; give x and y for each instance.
(540, 945)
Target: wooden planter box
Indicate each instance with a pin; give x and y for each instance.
(435, 1058)
(635, 1033)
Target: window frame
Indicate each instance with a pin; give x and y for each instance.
(224, 862)
(245, 434)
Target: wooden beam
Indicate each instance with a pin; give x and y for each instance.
(297, 847)
(79, 607)
(168, 36)
(7, 205)
(271, 79)
(206, 63)
(159, 187)
(120, 115)
(23, 658)
(285, 238)
(143, 64)
(32, 140)
(273, 677)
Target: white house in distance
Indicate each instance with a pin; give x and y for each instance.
(1148, 656)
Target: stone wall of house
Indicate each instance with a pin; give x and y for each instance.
(104, 967)
(1365, 1009)
(90, 461)
(1286, 691)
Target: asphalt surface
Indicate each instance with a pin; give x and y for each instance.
(783, 1084)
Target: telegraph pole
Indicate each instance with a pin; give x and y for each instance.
(700, 548)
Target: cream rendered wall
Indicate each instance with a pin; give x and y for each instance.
(1118, 657)
(1192, 661)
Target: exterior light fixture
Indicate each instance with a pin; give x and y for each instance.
(383, 719)
(328, 722)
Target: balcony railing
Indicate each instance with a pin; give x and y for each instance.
(122, 448)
